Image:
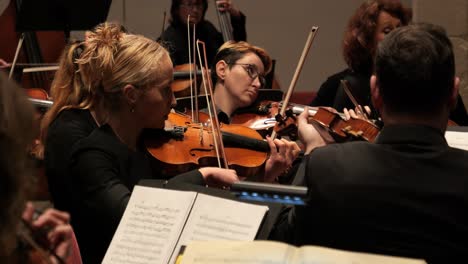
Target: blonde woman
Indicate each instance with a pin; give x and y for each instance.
(120, 85)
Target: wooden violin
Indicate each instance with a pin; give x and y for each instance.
(183, 81)
(346, 130)
(265, 119)
(41, 100)
(189, 145)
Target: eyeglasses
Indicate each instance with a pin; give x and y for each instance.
(192, 5)
(252, 71)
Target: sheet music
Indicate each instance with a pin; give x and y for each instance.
(215, 218)
(323, 255)
(270, 252)
(457, 139)
(237, 252)
(150, 226)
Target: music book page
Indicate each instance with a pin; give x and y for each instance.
(457, 139)
(269, 252)
(150, 226)
(157, 222)
(214, 218)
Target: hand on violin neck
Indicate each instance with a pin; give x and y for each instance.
(358, 113)
(219, 177)
(282, 155)
(311, 135)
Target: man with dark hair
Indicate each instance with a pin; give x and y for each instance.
(406, 193)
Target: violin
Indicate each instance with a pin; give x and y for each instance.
(189, 145)
(265, 119)
(182, 81)
(41, 100)
(262, 117)
(345, 130)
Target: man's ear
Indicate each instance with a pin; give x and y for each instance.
(376, 97)
(131, 94)
(454, 93)
(221, 68)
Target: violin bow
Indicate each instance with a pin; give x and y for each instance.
(163, 22)
(357, 106)
(299, 67)
(208, 85)
(18, 48)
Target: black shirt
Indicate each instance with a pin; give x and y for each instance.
(69, 127)
(404, 195)
(175, 38)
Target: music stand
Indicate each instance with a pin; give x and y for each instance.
(60, 15)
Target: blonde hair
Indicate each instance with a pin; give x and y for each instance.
(93, 72)
(137, 61)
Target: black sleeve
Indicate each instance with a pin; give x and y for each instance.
(99, 194)
(238, 27)
(175, 44)
(191, 177)
(326, 93)
(63, 133)
(459, 115)
(342, 100)
(283, 229)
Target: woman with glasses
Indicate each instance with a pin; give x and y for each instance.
(238, 72)
(175, 36)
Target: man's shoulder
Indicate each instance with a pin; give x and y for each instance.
(342, 148)
(341, 156)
